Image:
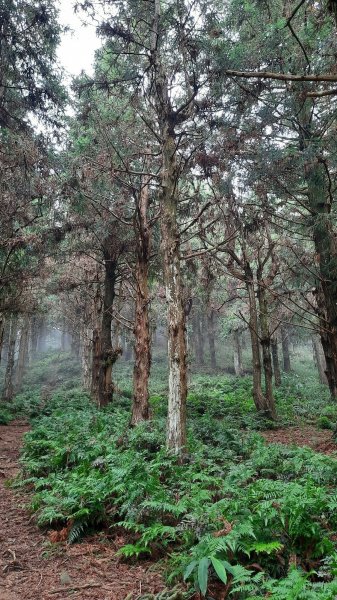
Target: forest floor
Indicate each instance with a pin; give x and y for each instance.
(320, 440)
(33, 568)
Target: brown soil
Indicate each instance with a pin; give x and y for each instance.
(31, 568)
(318, 440)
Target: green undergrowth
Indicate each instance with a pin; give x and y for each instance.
(51, 370)
(5, 415)
(260, 519)
(298, 400)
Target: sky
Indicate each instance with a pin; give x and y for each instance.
(77, 48)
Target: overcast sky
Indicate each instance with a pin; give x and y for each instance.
(76, 51)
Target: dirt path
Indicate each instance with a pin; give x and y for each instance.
(320, 440)
(31, 568)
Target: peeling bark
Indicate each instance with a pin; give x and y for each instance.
(86, 357)
(176, 419)
(320, 202)
(265, 340)
(259, 332)
(142, 349)
(258, 396)
(177, 364)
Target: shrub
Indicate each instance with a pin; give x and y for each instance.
(324, 423)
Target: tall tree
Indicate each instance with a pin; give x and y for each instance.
(141, 36)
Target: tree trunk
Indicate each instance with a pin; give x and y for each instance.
(238, 367)
(2, 329)
(258, 397)
(176, 418)
(268, 378)
(96, 346)
(75, 344)
(41, 335)
(319, 359)
(265, 340)
(276, 362)
(327, 341)
(329, 345)
(211, 337)
(168, 197)
(285, 349)
(5, 341)
(326, 252)
(23, 353)
(198, 340)
(127, 352)
(116, 325)
(142, 349)
(63, 340)
(270, 409)
(109, 354)
(324, 236)
(86, 357)
(33, 337)
(330, 363)
(8, 392)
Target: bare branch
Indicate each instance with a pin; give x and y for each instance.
(280, 76)
(296, 9)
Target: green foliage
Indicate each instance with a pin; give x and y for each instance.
(295, 586)
(51, 370)
(27, 404)
(5, 416)
(234, 502)
(324, 422)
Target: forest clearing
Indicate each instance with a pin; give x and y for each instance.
(168, 299)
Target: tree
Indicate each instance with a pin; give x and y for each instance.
(141, 35)
(30, 81)
(30, 86)
(300, 116)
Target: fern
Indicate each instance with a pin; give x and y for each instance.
(236, 501)
(131, 550)
(264, 547)
(76, 531)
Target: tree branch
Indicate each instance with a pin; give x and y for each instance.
(296, 9)
(280, 76)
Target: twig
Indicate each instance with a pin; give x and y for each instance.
(10, 552)
(280, 76)
(75, 587)
(296, 9)
(322, 93)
